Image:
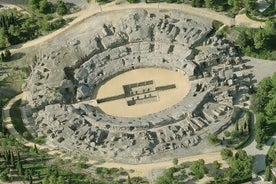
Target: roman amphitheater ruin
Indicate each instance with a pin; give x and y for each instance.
(133, 85)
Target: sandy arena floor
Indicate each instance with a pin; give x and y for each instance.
(161, 77)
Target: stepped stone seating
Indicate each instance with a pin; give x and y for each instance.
(139, 38)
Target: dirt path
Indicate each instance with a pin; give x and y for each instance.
(144, 170)
(243, 21)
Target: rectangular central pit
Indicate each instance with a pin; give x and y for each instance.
(140, 93)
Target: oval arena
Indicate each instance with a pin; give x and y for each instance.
(134, 86)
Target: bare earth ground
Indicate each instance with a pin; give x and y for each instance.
(161, 77)
(243, 21)
(146, 169)
(260, 68)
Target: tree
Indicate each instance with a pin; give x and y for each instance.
(2, 57)
(216, 165)
(226, 153)
(12, 159)
(250, 5)
(260, 121)
(267, 173)
(26, 135)
(258, 102)
(61, 8)
(52, 179)
(213, 138)
(60, 180)
(273, 179)
(237, 125)
(259, 128)
(242, 41)
(273, 80)
(167, 177)
(237, 5)
(3, 38)
(197, 3)
(30, 179)
(35, 148)
(270, 27)
(198, 169)
(209, 3)
(20, 169)
(7, 54)
(230, 2)
(259, 136)
(45, 180)
(175, 161)
(4, 176)
(270, 108)
(259, 39)
(33, 4)
(264, 86)
(241, 155)
(14, 30)
(46, 7)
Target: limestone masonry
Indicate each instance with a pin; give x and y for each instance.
(63, 106)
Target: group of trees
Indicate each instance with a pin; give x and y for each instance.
(258, 42)
(198, 169)
(263, 103)
(271, 163)
(17, 27)
(46, 7)
(239, 170)
(173, 175)
(232, 6)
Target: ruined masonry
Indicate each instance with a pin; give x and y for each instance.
(60, 103)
